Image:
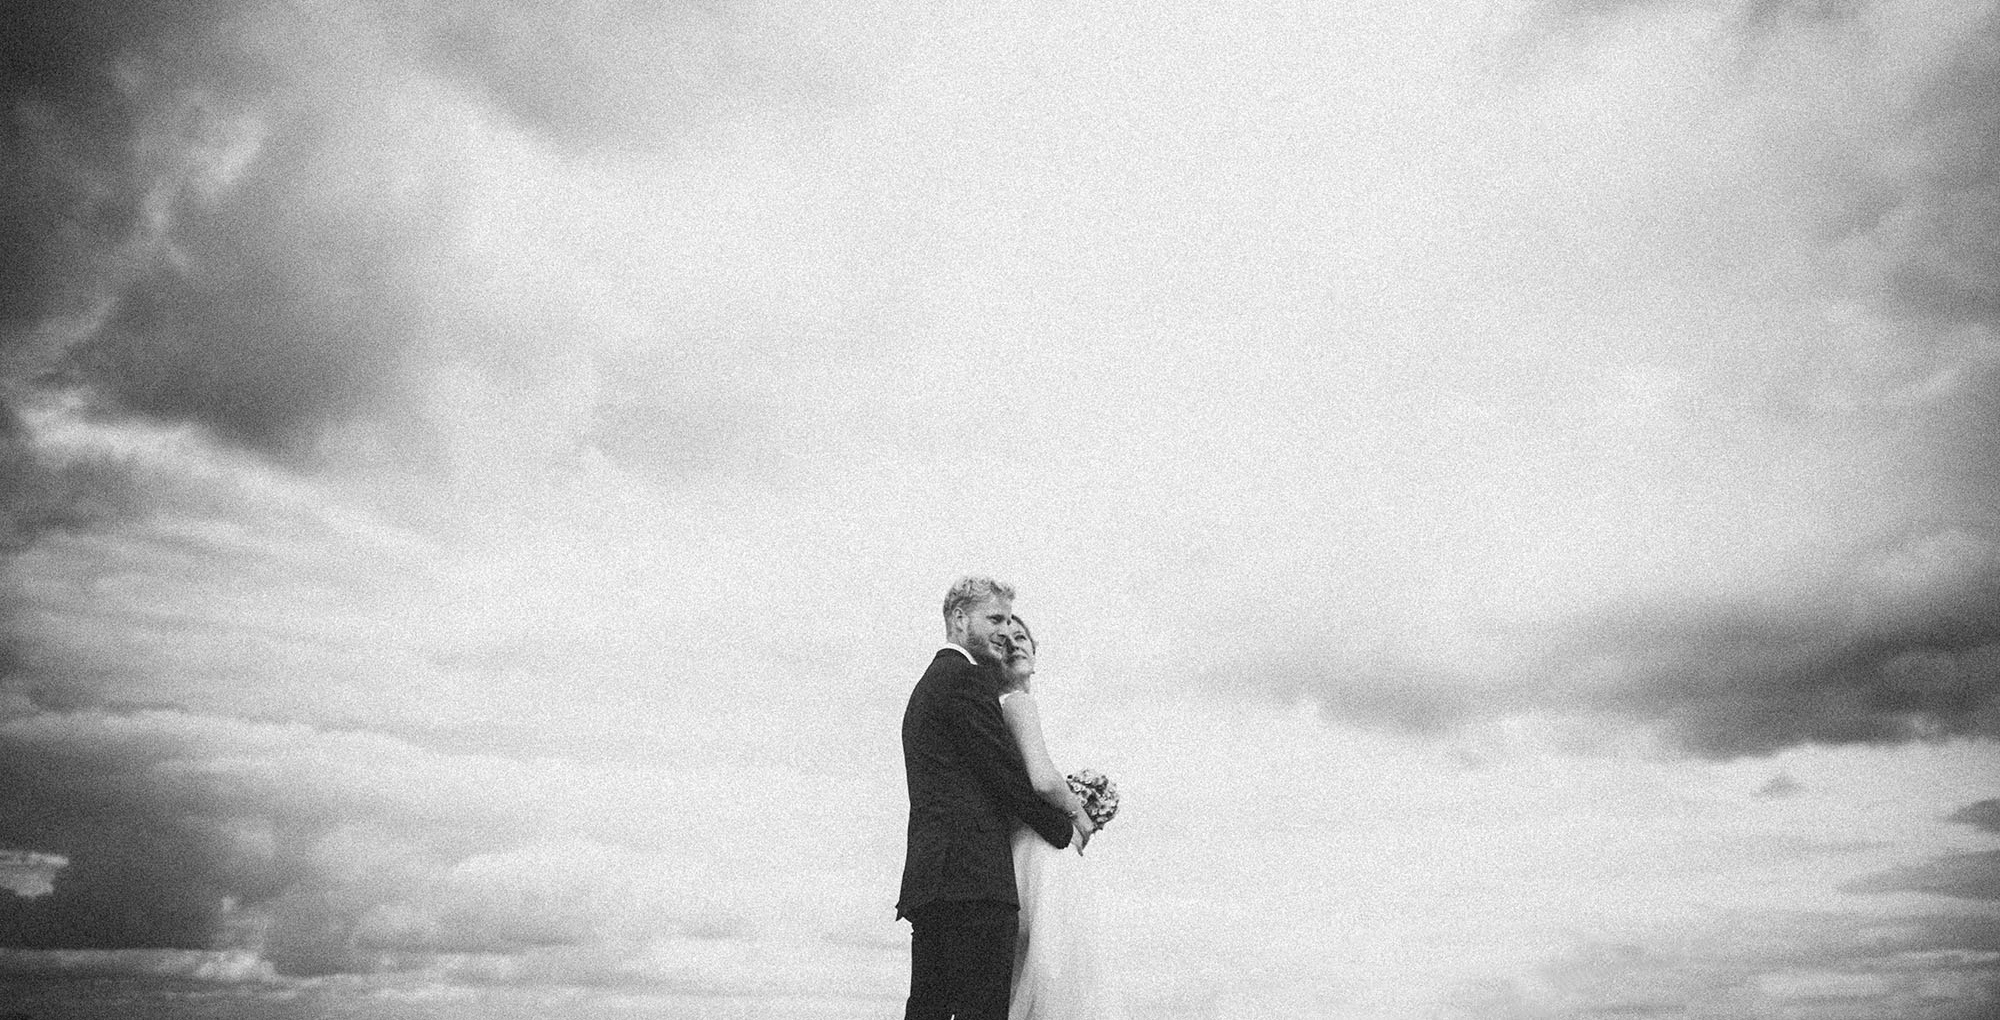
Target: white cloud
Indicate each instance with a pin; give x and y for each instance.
(30, 874)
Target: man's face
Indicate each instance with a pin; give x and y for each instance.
(986, 627)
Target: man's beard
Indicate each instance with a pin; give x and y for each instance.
(985, 652)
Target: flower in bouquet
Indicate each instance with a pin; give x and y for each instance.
(1098, 793)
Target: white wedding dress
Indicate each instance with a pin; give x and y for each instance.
(1058, 972)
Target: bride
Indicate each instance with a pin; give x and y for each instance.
(1057, 973)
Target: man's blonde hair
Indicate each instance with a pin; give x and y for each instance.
(973, 589)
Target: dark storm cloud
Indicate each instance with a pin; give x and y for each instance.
(246, 222)
(1913, 234)
(211, 221)
(179, 251)
(147, 870)
(1894, 634)
(1983, 815)
(78, 83)
(263, 329)
(245, 215)
(1969, 876)
(1763, 965)
(322, 851)
(74, 184)
(39, 492)
(1736, 680)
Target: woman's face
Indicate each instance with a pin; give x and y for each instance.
(1020, 652)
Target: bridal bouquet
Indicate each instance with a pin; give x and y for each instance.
(1098, 793)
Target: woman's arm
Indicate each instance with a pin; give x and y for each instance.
(1024, 720)
(985, 740)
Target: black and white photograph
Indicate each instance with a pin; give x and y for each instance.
(1054, 510)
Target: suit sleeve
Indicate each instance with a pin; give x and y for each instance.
(989, 749)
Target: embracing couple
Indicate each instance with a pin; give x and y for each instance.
(1000, 915)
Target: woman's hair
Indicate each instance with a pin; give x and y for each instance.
(967, 592)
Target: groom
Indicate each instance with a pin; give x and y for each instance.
(967, 786)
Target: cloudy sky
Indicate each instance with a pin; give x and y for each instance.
(1509, 490)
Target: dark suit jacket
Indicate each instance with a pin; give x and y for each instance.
(967, 786)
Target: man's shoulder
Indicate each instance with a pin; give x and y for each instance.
(949, 661)
(950, 668)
